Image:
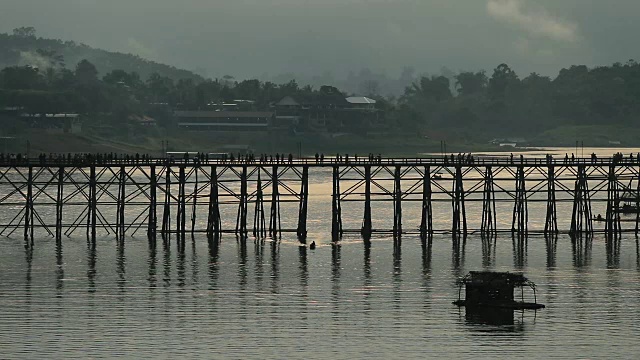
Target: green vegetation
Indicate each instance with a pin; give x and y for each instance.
(597, 106)
(577, 105)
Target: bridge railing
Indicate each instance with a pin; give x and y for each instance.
(343, 161)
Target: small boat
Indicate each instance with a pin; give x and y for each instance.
(490, 289)
(628, 209)
(631, 199)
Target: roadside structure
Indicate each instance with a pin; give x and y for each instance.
(224, 120)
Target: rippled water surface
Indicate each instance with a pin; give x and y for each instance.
(278, 300)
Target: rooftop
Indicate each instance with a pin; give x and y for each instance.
(51, 116)
(360, 100)
(494, 278)
(312, 100)
(223, 114)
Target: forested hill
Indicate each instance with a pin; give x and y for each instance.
(24, 48)
(600, 105)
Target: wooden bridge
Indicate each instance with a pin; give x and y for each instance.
(62, 197)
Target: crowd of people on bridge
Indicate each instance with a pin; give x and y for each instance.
(616, 158)
(83, 159)
(115, 158)
(461, 158)
(91, 158)
(355, 158)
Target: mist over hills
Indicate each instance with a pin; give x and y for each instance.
(21, 49)
(25, 48)
(355, 45)
(320, 42)
(599, 103)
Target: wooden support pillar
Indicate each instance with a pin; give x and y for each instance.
(153, 217)
(304, 198)
(610, 215)
(638, 205)
(259, 223)
(612, 227)
(120, 226)
(520, 214)
(92, 216)
(89, 207)
(336, 208)
(366, 221)
(576, 220)
(551, 220)
(459, 211)
(397, 202)
(274, 217)
(30, 190)
(118, 207)
(463, 206)
(455, 204)
(489, 223)
(241, 220)
(588, 215)
(166, 213)
(581, 217)
(194, 204)
(213, 222)
(181, 216)
(426, 223)
(28, 215)
(59, 204)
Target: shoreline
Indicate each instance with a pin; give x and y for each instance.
(394, 145)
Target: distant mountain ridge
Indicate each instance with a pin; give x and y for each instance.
(26, 49)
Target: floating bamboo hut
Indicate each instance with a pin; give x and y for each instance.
(495, 289)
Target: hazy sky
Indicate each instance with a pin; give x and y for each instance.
(248, 38)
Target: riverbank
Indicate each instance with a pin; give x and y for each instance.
(589, 135)
(41, 141)
(397, 145)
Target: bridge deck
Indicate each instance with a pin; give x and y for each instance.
(123, 196)
(330, 162)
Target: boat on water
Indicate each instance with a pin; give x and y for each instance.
(631, 198)
(625, 209)
(628, 208)
(489, 289)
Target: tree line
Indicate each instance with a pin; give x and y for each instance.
(119, 94)
(479, 106)
(24, 47)
(505, 104)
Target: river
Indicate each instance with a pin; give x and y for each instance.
(267, 299)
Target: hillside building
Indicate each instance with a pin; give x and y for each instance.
(67, 123)
(326, 112)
